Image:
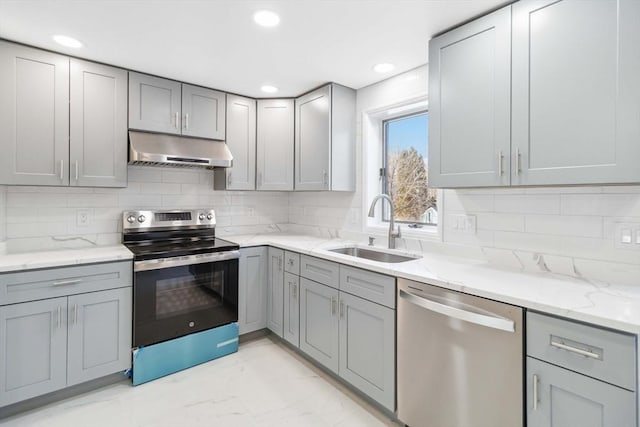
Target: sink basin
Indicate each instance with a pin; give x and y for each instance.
(374, 255)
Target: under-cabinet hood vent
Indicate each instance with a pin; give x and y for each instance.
(151, 149)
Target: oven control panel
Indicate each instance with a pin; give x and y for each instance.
(140, 220)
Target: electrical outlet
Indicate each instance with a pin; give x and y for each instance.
(83, 217)
(250, 211)
(464, 223)
(627, 235)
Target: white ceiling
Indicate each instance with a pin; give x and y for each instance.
(215, 43)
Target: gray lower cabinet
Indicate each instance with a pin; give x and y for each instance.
(579, 374)
(33, 349)
(99, 334)
(275, 291)
(566, 399)
(319, 323)
(470, 103)
(367, 348)
(63, 326)
(556, 137)
(291, 326)
(252, 289)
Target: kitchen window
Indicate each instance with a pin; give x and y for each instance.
(403, 174)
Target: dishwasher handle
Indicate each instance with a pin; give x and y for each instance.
(468, 316)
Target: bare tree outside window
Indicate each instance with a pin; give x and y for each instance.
(404, 173)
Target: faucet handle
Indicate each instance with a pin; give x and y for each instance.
(371, 239)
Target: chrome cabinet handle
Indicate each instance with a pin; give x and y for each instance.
(280, 263)
(518, 161)
(186, 121)
(295, 291)
(177, 120)
(76, 167)
(576, 350)
(333, 306)
(229, 178)
(494, 322)
(61, 170)
(324, 177)
(59, 317)
(75, 313)
(67, 282)
(500, 163)
(341, 309)
(535, 392)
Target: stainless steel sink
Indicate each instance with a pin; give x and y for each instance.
(374, 255)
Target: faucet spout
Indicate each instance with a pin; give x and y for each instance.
(392, 233)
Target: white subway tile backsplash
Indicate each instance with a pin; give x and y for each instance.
(602, 205)
(582, 226)
(500, 221)
(454, 201)
(528, 204)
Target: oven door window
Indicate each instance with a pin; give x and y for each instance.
(177, 301)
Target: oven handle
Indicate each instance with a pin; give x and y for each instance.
(161, 263)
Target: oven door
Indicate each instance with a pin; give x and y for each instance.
(174, 297)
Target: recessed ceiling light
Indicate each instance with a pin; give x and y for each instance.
(269, 89)
(67, 41)
(383, 68)
(266, 18)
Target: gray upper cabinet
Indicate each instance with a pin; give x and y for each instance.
(98, 125)
(325, 139)
(241, 139)
(275, 291)
(168, 106)
(34, 116)
(252, 289)
(275, 144)
(469, 103)
(99, 334)
(155, 104)
(33, 349)
(575, 110)
(203, 112)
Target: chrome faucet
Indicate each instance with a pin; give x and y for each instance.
(392, 233)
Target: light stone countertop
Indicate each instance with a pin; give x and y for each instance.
(63, 258)
(611, 305)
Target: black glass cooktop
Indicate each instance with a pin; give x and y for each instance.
(143, 250)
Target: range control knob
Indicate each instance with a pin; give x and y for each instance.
(141, 218)
(209, 216)
(201, 217)
(131, 219)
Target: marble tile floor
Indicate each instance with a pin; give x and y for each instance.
(264, 384)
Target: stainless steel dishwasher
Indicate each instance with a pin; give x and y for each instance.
(460, 359)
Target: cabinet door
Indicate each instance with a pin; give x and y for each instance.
(367, 348)
(313, 140)
(252, 289)
(319, 323)
(469, 103)
(575, 110)
(34, 116)
(275, 289)
(291, 309)
(154, 104)
(203, 112)
(275, 144)
(99, 334)
(98, 125)
(241, 139)
(33, 349)
(568, 399)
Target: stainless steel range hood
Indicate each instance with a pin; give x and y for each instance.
(177, 151)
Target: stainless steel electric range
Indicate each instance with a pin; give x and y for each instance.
(185, 285)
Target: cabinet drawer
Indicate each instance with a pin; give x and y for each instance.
(54, 282)
(321, 271)
(292, 262)
(368, 285)
(599, 353)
